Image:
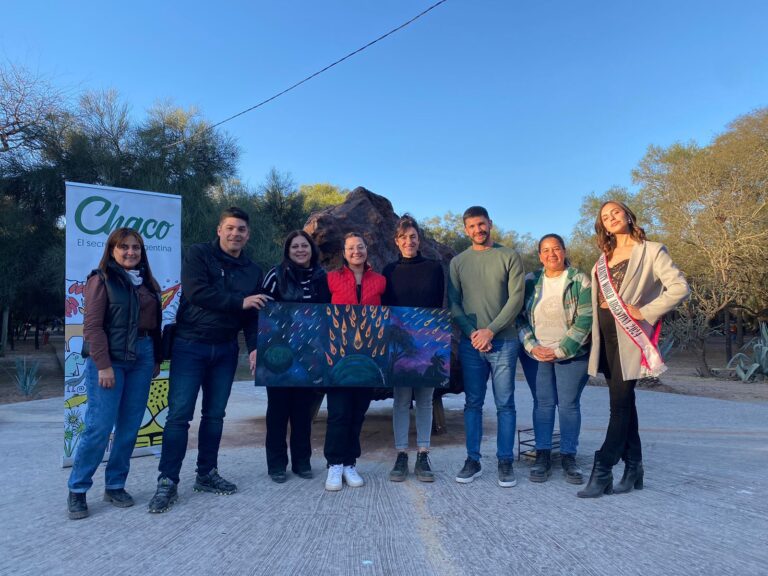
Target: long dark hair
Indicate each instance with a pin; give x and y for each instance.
(117, 236)
(606, 241)
(313, 260)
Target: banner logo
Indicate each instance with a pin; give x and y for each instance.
(97, 215)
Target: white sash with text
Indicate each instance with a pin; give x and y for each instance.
(652, 363)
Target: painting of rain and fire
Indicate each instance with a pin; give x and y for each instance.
(350, 345)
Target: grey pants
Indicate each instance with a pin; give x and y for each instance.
(401, 416)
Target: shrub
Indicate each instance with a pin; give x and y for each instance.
(26, 377)
(745, 366)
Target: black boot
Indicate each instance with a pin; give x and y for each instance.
(400, 472)
(573, 473)
(78, 508)
(600, 482)
(542, 469)
(422, 469)
(632, 478)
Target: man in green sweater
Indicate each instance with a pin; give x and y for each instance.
(485, 293)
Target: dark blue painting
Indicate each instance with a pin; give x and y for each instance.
(350, 345)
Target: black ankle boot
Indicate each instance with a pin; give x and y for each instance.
(78, 508)
(542, 469)
(600, 482)
(632, 478)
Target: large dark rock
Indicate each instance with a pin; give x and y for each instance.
(373, 216)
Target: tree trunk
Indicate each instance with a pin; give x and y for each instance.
(37, 333)
(727, 324)
(4, 333)
(740, 328)
(703, 368)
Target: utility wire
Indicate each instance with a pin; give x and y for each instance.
(308, 78)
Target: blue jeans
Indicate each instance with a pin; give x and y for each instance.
(121, 407)
(401, 415)
(195, 365)
(476, 366)
(556, 384)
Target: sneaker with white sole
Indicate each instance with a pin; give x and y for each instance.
(507, 477)
(469, 472)
(352, 478)
(333, 482)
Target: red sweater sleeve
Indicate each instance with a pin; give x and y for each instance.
(93, 324)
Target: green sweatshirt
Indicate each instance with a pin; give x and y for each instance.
(486, 289)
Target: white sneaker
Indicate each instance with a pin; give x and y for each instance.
(352, 478)
(333, 482)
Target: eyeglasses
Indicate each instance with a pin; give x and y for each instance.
(126, 247)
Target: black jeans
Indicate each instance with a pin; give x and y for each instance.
(622, 439)
(286, 405)
(346, 414)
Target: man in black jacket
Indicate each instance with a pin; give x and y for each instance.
(220, 295)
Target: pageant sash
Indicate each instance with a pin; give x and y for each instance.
(652, 362)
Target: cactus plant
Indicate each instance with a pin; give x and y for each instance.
(747, 366)
(26, 375)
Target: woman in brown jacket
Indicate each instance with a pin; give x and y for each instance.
(121, 330)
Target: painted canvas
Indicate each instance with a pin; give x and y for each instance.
(350, 345)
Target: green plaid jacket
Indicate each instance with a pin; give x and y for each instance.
(577, 302)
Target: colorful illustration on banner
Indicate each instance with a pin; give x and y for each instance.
(153, 424)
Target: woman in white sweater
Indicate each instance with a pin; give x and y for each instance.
(635, 283)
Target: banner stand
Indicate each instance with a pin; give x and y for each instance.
(93, 212)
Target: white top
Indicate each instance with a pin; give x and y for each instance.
(549, 313)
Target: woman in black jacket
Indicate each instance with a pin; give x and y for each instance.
(121, 330)
(298, 278)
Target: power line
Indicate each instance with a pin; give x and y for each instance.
(308, 78)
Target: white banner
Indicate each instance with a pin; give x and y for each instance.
(92, 213)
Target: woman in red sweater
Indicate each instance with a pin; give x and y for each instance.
(354, 283)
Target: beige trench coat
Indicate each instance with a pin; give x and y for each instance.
(652, 283)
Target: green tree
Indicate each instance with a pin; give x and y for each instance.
(93, 141)
(320, 196)
(281, 204)
(447, 229)
(710, 209)
(177, 152)
(31, 196)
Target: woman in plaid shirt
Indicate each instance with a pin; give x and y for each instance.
(555, 326)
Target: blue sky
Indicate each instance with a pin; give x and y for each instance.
(524, 107)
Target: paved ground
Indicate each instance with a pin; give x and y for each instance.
(703, 511)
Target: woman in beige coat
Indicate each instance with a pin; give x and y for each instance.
(635, 284)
